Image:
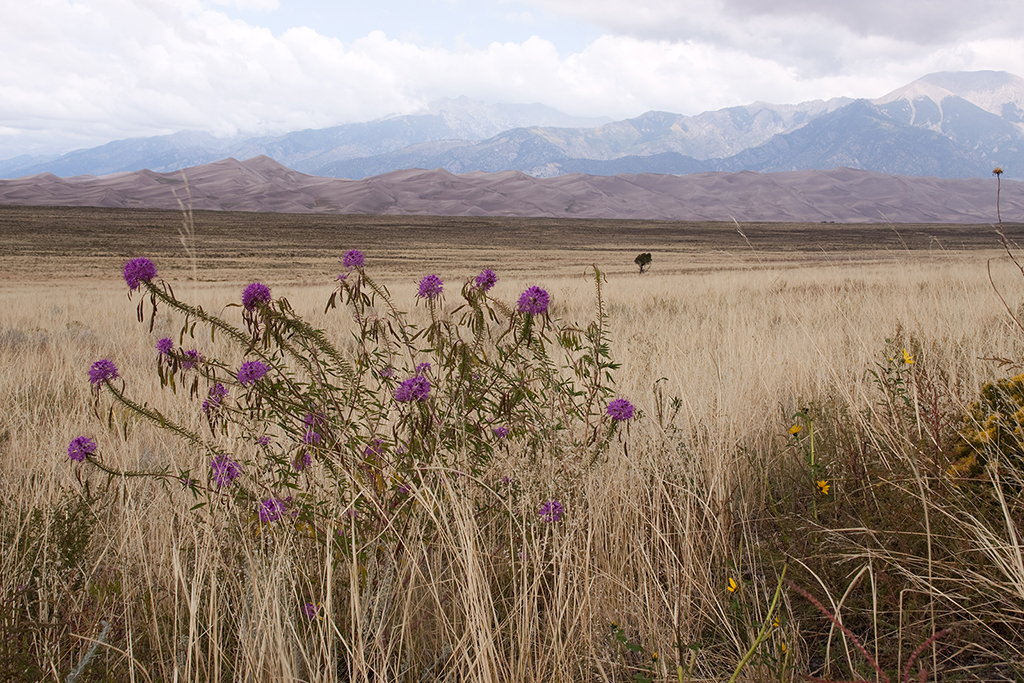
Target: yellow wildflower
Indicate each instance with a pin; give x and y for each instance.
(824, 487)
(783, 648)
(654, 656)
(795, 429)
(907, 358)
(732, 585)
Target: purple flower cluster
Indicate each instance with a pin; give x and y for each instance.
(80, 448)
(354, 259)
(551, 511)
(422, 368)
(416, 388)
(271, 510)
(431, 287)
(534, 301)
(190, 359)
(388, 372)
(302, 461)
(251, 372)
(500, 432)
(225, 470)
(218, 392)
(165, 346)
(375, 448)
(263, 440)
(309, 609)
(137, 271)
(102, 371)
(311, 438)
(486, 280)
(620, 410)
(255, 295)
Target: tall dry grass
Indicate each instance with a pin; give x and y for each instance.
(697, 493)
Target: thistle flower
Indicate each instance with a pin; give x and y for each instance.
(225, 470)
(102, 371)
(354, 259)
(486, 280)
(80, 448)
(534, 301)
(137, 271)
(251, 372)
(255, 295)
(271, 510)
(431, 287)
(551, 511)
(190, 359)
(416, 388)
(620, 410)
(165, 346)
(500, 432)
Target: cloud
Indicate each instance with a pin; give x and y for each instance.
(82, 73)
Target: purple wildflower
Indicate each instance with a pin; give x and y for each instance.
(190, 359)
(302, 461)
(137, 271)
(620, 410)
(431, 287)
(311, 437)
(534, 301)
(500, 432)
(165, 346)
(551, 511)
(251, 372)
(218, 392)
(271, 510)
(225, 470)
(80, 448)
(309, 609)
(102, 371)
(486, 280)
(375, 448)
(255, 295)
(422, 368)
(416, 388)
(263, 440)
(354, 259)
(388, 372)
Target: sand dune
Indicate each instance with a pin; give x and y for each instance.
(261, 184)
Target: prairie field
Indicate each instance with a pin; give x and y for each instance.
(810, 425)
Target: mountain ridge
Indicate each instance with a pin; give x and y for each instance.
(263, 185)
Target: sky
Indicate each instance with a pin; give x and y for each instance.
(76, 74)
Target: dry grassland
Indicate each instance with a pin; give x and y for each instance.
(745, 328)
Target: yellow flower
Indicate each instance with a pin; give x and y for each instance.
(732, 585)
(654, 656)
(776, 622)
(907, 358)
(824, 487)
(783, 648)
(795, 429)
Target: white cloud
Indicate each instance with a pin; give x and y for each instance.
(250, 5)
(81, 73)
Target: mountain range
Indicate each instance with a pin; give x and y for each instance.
(261, 184)
(945, 125)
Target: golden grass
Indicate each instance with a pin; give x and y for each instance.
(649, 540)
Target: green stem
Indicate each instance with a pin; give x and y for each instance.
(765, 629)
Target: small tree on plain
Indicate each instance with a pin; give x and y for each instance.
(644, 261)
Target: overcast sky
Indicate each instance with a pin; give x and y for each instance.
(77, 74)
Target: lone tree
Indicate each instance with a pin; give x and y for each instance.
(644, 261)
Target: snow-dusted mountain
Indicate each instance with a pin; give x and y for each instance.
(949, 124)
